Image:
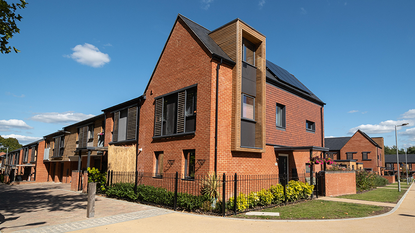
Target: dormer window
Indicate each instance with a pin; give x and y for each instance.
(248, 52)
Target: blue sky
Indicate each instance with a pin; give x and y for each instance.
(79, 57)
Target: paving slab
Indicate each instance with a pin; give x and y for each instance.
(28, 206)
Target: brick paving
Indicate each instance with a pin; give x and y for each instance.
(42, 206)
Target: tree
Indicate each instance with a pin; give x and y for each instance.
(8, 25)
(11, 143)
(392, 150)
(411, 150)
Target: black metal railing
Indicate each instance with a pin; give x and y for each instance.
(228, 186)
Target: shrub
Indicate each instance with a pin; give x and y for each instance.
(241, 202)
(368, 180)
(278, 193)
(94, 175)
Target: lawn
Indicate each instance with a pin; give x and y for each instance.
(316, 209)
(379, 195)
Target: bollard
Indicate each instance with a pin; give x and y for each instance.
(90, 209)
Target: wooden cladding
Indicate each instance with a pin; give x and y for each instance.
(83, 137)
(180, 111)
(57, 147)
(125, 124)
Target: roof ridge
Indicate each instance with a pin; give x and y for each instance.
(182, 16)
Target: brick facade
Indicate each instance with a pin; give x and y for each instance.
(338, 183)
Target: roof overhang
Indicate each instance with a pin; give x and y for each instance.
(300, 148)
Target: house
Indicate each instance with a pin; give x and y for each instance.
(10, 165)
(355, 151)
(75, 147)
(405, 162)
(215, 104)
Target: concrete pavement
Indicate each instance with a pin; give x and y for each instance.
(39, 211)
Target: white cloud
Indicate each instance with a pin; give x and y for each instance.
(382, 127)
(22, 139)
(60, 118)
(410, 133)
(353, 111)
(261, 3)
(206, 4)
(18, 96)
(6, 125)
(409, 114)
(90, 55)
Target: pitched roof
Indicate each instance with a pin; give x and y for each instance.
(392, 158)
(336, 143)
(284, 79)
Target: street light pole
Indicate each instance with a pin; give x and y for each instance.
(406, 164)
(397, 156)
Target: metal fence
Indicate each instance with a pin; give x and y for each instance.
(228, 186)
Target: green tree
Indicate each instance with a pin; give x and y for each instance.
(411, 150)
(392, 150)
(11, 143)
(8, 25)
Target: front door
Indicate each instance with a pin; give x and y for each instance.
(283, 169)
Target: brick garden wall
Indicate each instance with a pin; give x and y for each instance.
(338, 183)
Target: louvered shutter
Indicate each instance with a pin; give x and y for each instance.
(83, 137)
(158, 116)
(131, 123)
(57, 144)
(115, 127)
(181, 103)
(33, 154)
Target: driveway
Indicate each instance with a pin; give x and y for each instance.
(29, 206)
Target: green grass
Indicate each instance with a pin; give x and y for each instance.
(316, 209)
(379, 195)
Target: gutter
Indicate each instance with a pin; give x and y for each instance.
(216, 117)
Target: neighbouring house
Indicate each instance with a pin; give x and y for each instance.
(405, 162)
(2, 158)
(355, 152)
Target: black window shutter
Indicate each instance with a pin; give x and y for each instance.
(131, 122)
(115, 130)
(181, 103)
(84, 139)
(57, 147)
(32, 156)
(157, 116)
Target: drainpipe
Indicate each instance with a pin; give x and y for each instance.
(216, 117)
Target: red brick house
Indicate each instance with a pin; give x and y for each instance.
(359, 148)
(215, 104)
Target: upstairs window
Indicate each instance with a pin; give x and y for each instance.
(175, 113)
(33, 154)
(248, 107)
(25, 155)
(59, 146)
(365, 155)
(280, 116)
(310, 126)
(349, 155)
(125, 124)
(248, 52)
(90, 133)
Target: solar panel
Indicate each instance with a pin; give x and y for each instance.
(286, 77)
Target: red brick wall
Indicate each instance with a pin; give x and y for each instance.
(41, 171)
(297, 111)
(358, 143)
(339, 183)
(391, 179)
(109, 122)
(182, 64)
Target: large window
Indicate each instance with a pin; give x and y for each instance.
(280, 116)
(248, 107)
(59, 146)
(248, 52)
(125, 124)
(33, 154)
(349, 155)
(158, 168)
(175, 113)
(25, 154)
(189, 164)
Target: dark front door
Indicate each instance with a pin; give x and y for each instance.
(283, 169)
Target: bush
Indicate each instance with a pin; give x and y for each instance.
(95, 176)
(368, 180)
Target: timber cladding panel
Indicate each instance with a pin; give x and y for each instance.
(123, 158)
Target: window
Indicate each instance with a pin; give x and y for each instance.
(125, 124)
(16, 158)
(59, 146)
(365, 156)
(310, 126)
(25, 155)
(248, 107)
(248, 52)
(280, 116)
(158, 171)
(307, 168)
(410, 166)
(189, 164)
(90, 133)
(33, 154)
(175, 113)
(349, 155)
(389, 166)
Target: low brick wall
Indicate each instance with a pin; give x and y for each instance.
(391, 179)
(75, 181)
(338, 183)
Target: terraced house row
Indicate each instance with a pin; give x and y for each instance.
(213, 104)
